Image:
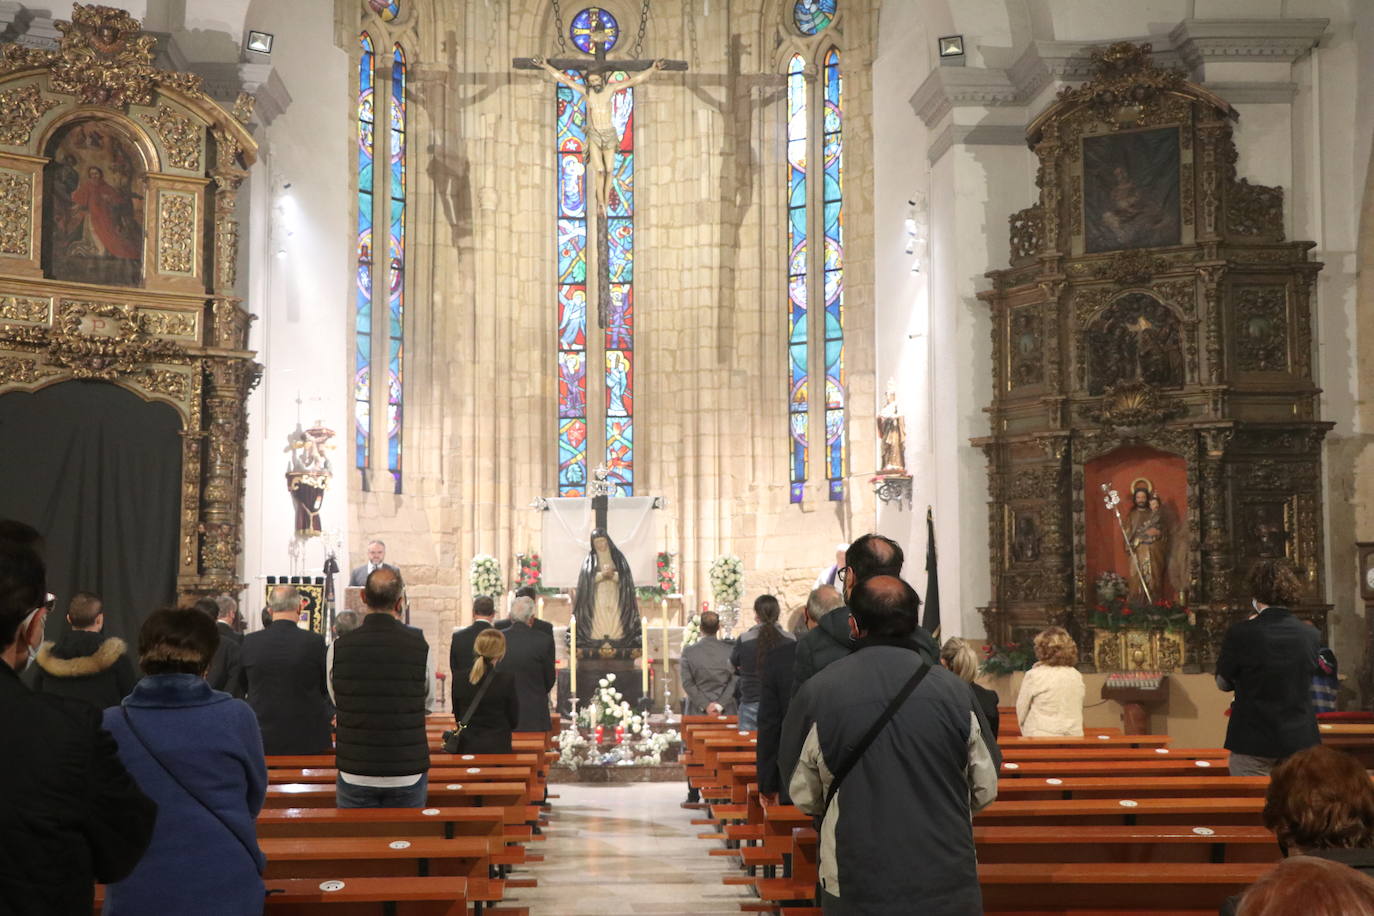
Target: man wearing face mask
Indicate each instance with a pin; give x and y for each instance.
(70, 815)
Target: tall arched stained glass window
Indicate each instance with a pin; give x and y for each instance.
(833, 229)
(379, 301)
(362, 328)
(798, 279)
(396, 274)
(571, 206)
(619, 340)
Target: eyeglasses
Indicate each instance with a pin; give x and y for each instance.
(843, 573)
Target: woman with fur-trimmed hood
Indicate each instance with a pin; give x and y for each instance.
(85, 665)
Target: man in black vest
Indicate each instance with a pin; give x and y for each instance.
(460, 653)
(529, 658)
(381, 678)
(284, 680)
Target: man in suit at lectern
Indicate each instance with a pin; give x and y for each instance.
(376, 559)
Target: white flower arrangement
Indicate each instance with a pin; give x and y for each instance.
(485, 576)
(608, 708)
(692, 632)
(571, 745)
(727, 578)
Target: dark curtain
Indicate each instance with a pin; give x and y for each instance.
(97, 470)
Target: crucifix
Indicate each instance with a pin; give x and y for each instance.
(598, 92)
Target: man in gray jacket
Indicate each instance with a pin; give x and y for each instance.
(708, 678)
(897, 837)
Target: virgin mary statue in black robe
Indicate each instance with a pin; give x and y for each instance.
(606, 609)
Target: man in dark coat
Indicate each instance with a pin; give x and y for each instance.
(70, 815)
(897, 837)
(460, 651)
(228, 623)
(538, 623)
(529, 657)
(376, 559)
(84, 665)
(1269, 660)
(284, 680)
(829, 641)
(224, 667)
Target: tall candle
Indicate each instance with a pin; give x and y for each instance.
(663, 609)
(644, 657)
(572, 656)
(539, 608)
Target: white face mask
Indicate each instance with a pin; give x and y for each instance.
(24, 625)
(1254, 603)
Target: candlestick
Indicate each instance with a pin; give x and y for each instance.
(644, 658)
(663, 610)
(572, 656)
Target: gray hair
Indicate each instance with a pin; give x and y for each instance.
(378, 541)
(284, 598)
(522, 610)
(228, 607)
(345, 621)
(822, 601)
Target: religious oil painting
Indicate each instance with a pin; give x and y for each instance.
(1130, 190)
(94, 190)
(1136, 338)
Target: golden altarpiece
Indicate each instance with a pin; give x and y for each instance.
(118, 254)
(1152, 336)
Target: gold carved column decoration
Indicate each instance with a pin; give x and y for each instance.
(153, 310)
(1153, 321)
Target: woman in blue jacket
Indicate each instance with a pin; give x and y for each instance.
(197, 752)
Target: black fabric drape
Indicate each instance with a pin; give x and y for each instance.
(97, 470)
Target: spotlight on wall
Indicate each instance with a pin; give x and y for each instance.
(951, 50)
(261, 42)
(915, 227)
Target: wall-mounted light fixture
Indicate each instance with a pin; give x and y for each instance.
(951, 49)
(261, 42)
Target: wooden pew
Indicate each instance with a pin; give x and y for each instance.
(1020, 754)
(1090, 739)
(389, 822)
(500, 794)
(1152, 887)
(1163, 766)
(380, 857)
(1138, 843)
(436, 774)
(435, 896)
(1073, 812)
(1132, 787)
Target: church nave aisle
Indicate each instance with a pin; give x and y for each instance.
(625, 849)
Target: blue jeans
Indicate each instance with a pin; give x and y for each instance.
(748, 717)
(348, 795)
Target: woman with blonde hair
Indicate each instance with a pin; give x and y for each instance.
(1050, 703)
(958, 656)
(491, 717)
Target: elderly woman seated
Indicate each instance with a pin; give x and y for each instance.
(1050, 703)
(1320, 805)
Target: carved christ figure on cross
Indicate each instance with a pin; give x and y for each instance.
(600, 124)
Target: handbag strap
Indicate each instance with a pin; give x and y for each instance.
(481, 692)
(128, 720)
(859, 749)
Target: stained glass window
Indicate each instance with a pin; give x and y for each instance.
(813, 16)
(571, 206)
(594, 26)
(396, 272)
(798, 266)
(362, 360)
(619, 331)
(833, 267)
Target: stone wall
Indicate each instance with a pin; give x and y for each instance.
(710, 299)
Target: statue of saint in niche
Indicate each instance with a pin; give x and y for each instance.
(1148, 536)
(606, 609)
(892, 432)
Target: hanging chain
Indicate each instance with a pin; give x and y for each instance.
(643, 24)
(558, 28)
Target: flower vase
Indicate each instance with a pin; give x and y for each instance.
(729, 617)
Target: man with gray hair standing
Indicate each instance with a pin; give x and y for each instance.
(376, 559)
(283, 678)
(227, 624)
(529, 658)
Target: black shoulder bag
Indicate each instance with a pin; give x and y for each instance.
(451, 736)
(859, 749)
(138, 736)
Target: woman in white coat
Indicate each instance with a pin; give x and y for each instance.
(1050, 703)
